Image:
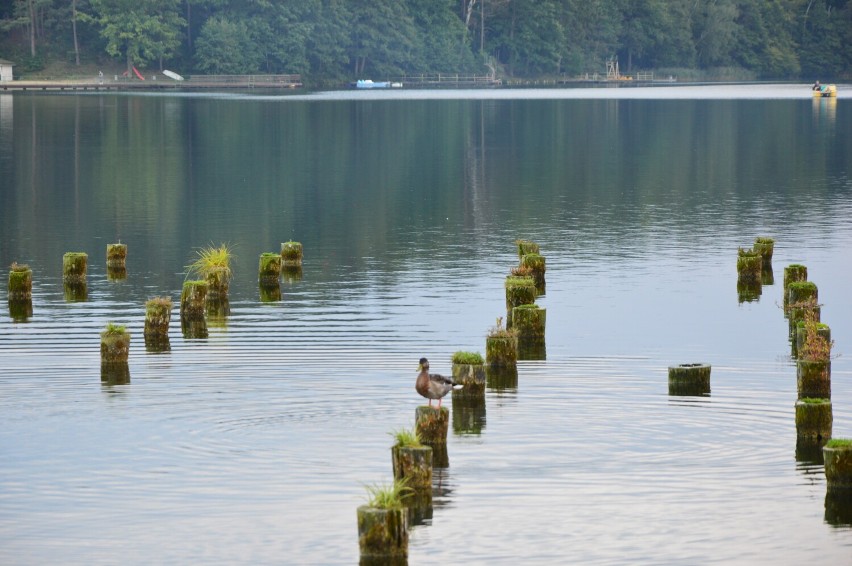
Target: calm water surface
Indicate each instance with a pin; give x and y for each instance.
(253, 445)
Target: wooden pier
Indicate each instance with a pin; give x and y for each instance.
(159, 82)
(448, 81)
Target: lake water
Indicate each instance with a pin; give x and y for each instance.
(254, 444)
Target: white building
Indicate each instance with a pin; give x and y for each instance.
(6, 70)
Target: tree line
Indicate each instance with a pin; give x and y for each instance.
(337, 40)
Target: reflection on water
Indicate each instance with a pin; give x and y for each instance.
(251, 433)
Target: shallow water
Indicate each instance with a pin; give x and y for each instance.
(252, 445)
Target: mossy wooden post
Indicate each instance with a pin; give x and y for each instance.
(689, 379)
(413, 464)
(20, 282)
(802, 292)
(115, 345)
(813, 378)
(837, 454)
(218, 283)
(192, 300)
(269, 269)
(519, 291)
(792, 273)
(291, 254)
(526, 247)
(116, 256)
(501, 348)
(529, 322)
(382, 533)
(158, 314)
(74, 266)
(536, 264)
(469, 370)
(431, 424)
(765, 247)
(813, 419)
(749, 265)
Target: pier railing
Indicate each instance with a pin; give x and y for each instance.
(244, 81)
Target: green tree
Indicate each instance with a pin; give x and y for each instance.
(224, 46)
(383, 37)
(444, 41)
(139, 30)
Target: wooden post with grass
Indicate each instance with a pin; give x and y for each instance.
(291, 253)
(802, 292)
(823, 332)
(74, 267)
(192, 300)
(412, 460)
(526, 247)
(813, 419)
(115, 345)
(20, 282)
(469, 370)
(116, 256)
(837, 454)
(813, 368)
(529, 322)
(792, 273)
(501, 347)
(749, 265)
(689, 379)
(765, 246)
(536, 265)
(158, 314)
(519, 291)
(269, 269)
(383, 523)
(213, 265)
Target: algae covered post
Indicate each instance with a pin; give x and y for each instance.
(412, 460)
(813, 419)
(269, 269)
(689, 379)
(383, 523)
(432, 424)
(116, 256)
(20, 282)
(74, 267)
(291, 253)
(213, 265)
(501, 347)
(529, 322)
(469, 370)
(158, 315)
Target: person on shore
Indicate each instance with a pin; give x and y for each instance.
(816, 86)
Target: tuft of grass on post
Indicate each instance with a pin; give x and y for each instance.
(839, 443)
(468, 358)
(406, 438)
(815, 348)
(387, 496)
(212, 260)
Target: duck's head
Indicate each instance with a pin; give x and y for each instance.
(424, 364)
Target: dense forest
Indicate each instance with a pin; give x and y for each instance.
(336, 40)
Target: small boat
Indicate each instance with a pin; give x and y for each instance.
(172, 75)
(826, 91)
(368, 83)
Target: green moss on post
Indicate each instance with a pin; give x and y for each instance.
(813, 378)
(501, 348)
(218, 283)
(802, 292)
(471, 375)
(431, 424)
(813, 419)
(536, 264)
(792, 273)
(20, 282)
(689, 379)
(269, 269)
(192, 299)
(413, 465)
(529, 321)
(526, 247)
(115, 345)
(837, 454)
(765, 246)
(74, 266)
(749, 266)
(519, 291)
(158, 314)
(291, 253)
(116, 255)
(382, 533)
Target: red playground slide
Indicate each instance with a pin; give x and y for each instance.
(138, 74)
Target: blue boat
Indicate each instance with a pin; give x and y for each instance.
(367, 83)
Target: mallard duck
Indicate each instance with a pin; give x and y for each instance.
(433, 385)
